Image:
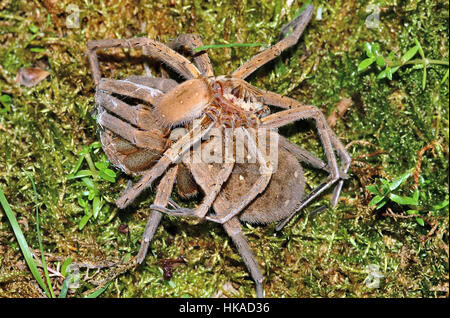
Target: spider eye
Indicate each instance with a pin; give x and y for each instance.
(183, 103)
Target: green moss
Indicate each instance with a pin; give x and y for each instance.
(323, 256)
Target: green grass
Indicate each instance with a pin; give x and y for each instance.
(24, 246)
(45, 131)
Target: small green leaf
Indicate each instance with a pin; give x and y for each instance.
(95, 145)
(410, 54)
(403, 200)
(389, 73)
(47, 24)
(382, 74)
(416, 196)
(84, 221)
(22, 242)
(106, 177)
(37, 49)
(376, 49)
(422, 54)
(381, 204)
(391, 56)
(376, 199)
(126, 258)
(368, 49)
(373, 189)
(394, 69)
(172, 284)
(385, 186)
(88, 182)
(96, 206)
(84, 151)
(424, 77)
(83, 203)
(78, 165)
(80, 174)
(440, 205)
(110, 173)
(65, 266)
(33, 28)
(91, 194)
(420, 221)
(5, 99)
(100, 165)
(380, 61)
(397, 182)
(366, 63)
(445, 78)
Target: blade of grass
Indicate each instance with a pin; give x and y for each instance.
(22, 242)
(64, 288)
(98, 292)
(38, 232)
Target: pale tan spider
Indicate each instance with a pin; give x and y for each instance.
(154, 136)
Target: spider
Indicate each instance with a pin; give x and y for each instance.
(150, 127)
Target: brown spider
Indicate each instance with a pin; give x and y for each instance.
(159, 135)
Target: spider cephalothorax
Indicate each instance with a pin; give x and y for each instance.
(228, 101)
(150, 126)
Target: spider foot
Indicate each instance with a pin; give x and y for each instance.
(216, 219)
(173, 212)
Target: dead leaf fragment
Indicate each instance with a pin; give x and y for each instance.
(30, 76)
(339, 111)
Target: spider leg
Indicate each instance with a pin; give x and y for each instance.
(287, 116)
(128, 88)
(152, 139)
(162, 196)
(298, 24)
(302, 155)
(208, 200)
(126, 156)
(171, 155)
(275, 99)
(266, 170)
(213, 190)
(188, 42)
(313, 161)
(233, 228)
(158, 50)
(140, 126)
(159, 83)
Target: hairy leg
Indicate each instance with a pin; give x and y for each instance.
(162, 196)
(298, 25)
(266, 171)
(287, 116)
(172, 155)
(158, 50)
(275, 99)
(233, 228)
(207, 202)
(188, 42)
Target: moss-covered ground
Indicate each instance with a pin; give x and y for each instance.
(44, 128)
